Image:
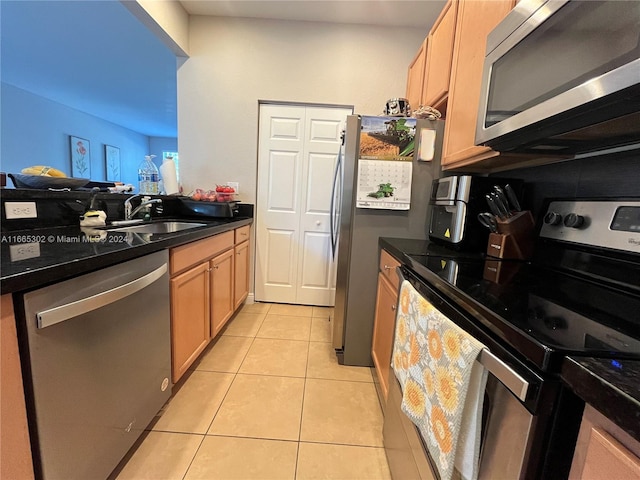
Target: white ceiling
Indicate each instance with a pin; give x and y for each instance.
(96, 57)
(396, 13)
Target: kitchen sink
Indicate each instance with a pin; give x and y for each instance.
(159, 227)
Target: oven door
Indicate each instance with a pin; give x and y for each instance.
(555, 67)
(518, 411)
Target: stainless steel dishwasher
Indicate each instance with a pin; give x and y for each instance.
(99, 355)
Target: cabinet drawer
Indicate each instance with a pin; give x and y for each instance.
(242, 234)
(192, 253)
(388, 266)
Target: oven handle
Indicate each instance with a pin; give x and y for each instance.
(496, 367)
(503, 372)
(49, 317)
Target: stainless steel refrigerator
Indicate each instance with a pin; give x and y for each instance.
(367, 205)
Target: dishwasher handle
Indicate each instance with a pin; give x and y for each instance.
(47, 318)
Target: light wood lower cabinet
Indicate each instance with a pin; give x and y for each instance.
(209, 282)
(222, 288)
(385, 320)
(190, 313)
(241, 284)
(603, 450)
(15, 450)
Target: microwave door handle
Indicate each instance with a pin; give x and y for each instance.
(49, 317)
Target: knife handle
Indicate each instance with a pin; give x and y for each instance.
(493, 207)
(513, 199)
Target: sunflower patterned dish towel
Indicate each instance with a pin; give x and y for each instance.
(442, 384)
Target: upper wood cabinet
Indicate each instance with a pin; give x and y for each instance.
(415, 76)
(438, 67)
(475, 19)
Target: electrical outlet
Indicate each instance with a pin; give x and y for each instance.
(23, 251)
(20, 210)
(235, 185)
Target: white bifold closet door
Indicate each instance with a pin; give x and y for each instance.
(297, 152)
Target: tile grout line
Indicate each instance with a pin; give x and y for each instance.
(304, 388)
(235, 375)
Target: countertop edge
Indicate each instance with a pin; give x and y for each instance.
(36, 278)
(587, 378)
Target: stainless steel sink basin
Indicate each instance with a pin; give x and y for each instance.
(159, 227)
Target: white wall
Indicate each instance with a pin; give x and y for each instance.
(234, 62)
(35, 131)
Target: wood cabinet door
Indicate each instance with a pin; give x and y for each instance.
(415, 76)
(439, 56)
(15, 449)
(190, 332)
(475, 19)
(241, 273)
(383, 329)
(222, 286)
(607, 459)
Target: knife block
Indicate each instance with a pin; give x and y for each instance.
(514, 239)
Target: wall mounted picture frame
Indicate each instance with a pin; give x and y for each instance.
(112, 163)
(80, 157)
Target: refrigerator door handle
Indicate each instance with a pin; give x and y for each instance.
(332, 221)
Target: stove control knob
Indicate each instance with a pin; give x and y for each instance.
(553, 218)
(573, 220)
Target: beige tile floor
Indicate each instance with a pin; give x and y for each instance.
(267, 400)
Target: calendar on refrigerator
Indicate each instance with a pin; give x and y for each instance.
(384, 184)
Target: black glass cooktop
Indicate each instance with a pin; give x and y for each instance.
(542, 313)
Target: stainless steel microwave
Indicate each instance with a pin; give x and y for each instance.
(562, 77)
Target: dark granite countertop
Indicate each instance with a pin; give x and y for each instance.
(36, 257)
(610, 386)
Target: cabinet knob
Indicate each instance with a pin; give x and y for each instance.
(387, 267)
(216, 266)
(393, 307)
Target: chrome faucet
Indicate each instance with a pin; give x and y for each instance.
(129, 214)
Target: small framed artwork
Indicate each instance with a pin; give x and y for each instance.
(112, 163)
(80, 157)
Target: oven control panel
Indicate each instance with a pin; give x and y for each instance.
(608, 224)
